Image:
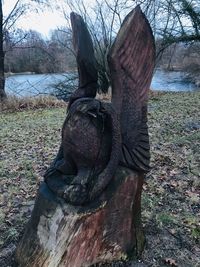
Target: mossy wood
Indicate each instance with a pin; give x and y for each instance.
(88, 210)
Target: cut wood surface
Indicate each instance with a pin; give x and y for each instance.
(107, 230)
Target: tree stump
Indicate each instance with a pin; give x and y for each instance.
(104, 231)
(88, 210)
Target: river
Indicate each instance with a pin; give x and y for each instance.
(35, 84)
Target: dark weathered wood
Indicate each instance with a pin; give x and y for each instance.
(86, 62)
(91, 136)
(107, 230)
(131, 61)
(88, 210)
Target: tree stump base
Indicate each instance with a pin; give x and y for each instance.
(105, 231)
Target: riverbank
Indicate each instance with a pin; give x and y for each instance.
(194, 78)
(170, 203)
(190, 74)
(8, 74)
(14, 104)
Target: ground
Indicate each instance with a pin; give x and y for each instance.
(170, 201)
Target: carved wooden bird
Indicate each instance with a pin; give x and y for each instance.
(98, 136)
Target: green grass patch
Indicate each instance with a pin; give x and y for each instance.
(164, 218)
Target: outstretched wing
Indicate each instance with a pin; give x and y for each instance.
(131, 61)
(85, 58)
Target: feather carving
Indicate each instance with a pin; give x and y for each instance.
(131, 61)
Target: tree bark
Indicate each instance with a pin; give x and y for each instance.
(2, 75)
(103, 232)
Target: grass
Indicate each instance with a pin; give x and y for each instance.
(170, 203)
(29, 141)
(14, 103)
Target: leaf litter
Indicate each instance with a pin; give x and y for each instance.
(170, 202)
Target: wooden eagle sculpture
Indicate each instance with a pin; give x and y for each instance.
(97, 137)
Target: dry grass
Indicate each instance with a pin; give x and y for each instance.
(13, 103)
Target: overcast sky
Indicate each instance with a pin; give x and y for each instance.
(42, 22)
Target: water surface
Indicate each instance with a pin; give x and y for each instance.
(35, 84)
(172, 81)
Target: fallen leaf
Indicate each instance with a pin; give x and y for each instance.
(170, 262)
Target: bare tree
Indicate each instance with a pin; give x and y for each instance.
(172, 21)
(61, 38)
(104, 19)
(2, 78)
(175, 22)
(6, 25)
